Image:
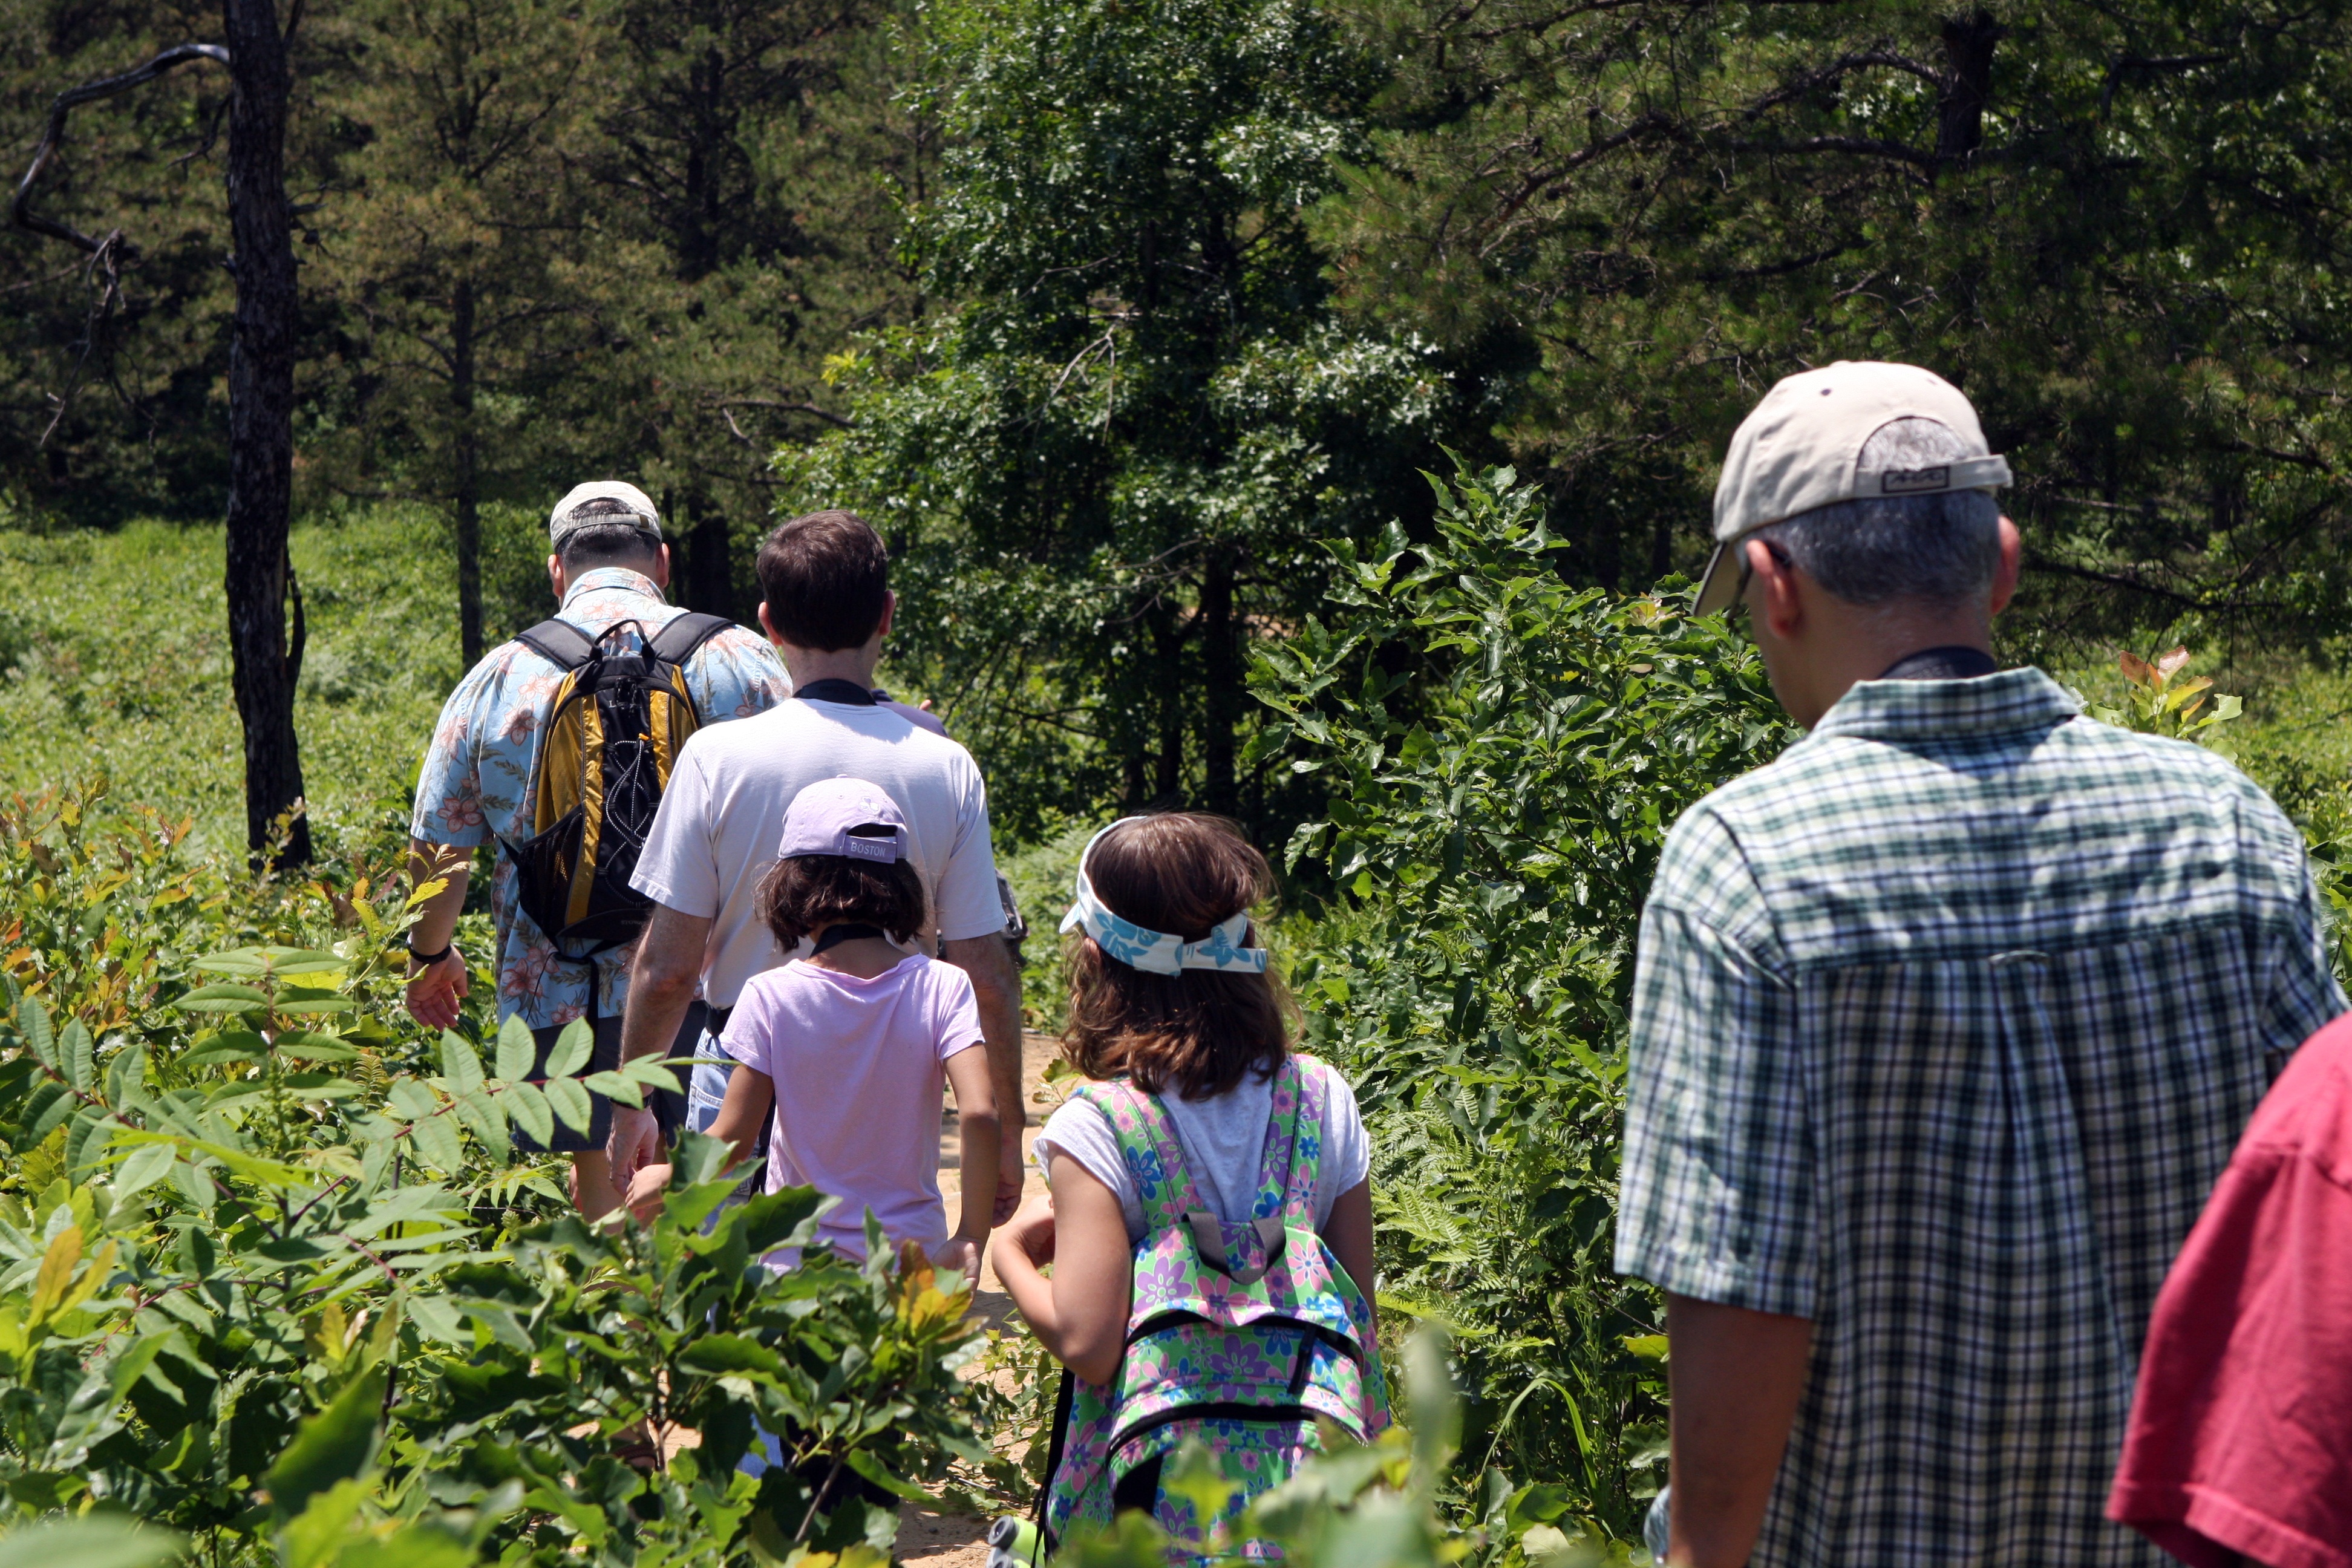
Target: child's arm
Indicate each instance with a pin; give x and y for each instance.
(750, 1093)
(976, 1127)
(1080, 1314)
(1349, 1233)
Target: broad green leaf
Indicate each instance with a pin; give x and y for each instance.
(572, 1048)
(459, 1063)
(229, 1046)
(435, 1139)
(532, 1113)
(309, 1048)
(480, 1113)
(238, 962)
(516, 1051)
(336, 1444)
(319, 1085)
(148, 1164)
(314, 1538)
(225, 998)
(612, 1086)
(292, 1000)
(440, 1320)
(570, 1100)
(80, 1062)
(410, 1099)
(652, 1073)
(94, 1541)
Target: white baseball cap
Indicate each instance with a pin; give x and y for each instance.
(1801, 449)
(631, 508)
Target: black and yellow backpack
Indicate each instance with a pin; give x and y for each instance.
(605, 758)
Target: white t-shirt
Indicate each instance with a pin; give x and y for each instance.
(716, 834)
(858, 1066)
(1224, 1139)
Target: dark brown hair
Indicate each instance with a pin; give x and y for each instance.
(825, 577)
(1196, 1032)
(806, 893)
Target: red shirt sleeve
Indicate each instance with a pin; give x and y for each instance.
(2240, 1433)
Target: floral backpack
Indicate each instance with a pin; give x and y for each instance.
(1240, 1335)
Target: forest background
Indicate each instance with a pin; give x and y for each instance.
(1136, 325)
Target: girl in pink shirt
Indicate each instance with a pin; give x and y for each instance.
(846, 1047)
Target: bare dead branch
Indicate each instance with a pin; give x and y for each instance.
(841, 421)
(20, 211)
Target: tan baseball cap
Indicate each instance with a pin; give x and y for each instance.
(1801, 449)
(631, 507)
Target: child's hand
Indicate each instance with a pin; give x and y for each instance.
(1032, 1230)
(959, 1252)
(645, 1190)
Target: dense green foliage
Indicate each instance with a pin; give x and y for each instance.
(2120, 227)
(271, 1272)
(1104, 471)
(1504, 754)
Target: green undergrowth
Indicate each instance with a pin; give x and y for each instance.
(114, 662)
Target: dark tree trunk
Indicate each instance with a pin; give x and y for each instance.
(466, 474)
(261, 427)
(706, 579)
(1220, 683)
(1969, 44)
(1168, 786)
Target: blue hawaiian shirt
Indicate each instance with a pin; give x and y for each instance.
(475, 781)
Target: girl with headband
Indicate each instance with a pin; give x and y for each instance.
(1210, 1226)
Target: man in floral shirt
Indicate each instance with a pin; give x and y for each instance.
(609, 565)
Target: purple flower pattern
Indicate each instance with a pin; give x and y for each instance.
(476, 782)
(1218, 1355)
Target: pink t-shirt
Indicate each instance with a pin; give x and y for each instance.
(857, 1069)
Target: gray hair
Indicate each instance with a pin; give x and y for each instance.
(1940, 549)
(605, 544)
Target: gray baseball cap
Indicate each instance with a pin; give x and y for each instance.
(621, 503)
(1801, 449)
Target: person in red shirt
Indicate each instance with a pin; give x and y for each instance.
(2240, 1444)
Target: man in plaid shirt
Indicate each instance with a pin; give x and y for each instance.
(1944, 1025)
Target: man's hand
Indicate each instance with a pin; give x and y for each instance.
(436, 989)
(632, 1146)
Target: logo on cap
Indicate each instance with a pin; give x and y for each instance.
(858, 848)
(1914, 481)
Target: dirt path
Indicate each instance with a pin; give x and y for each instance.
(928, 1539)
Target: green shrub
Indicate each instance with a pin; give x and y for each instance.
(272, 1277)
(1503, 754)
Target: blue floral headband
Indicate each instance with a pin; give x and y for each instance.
(1139, 947)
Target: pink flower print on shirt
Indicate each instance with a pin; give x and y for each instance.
(531, 960)
(460, 811)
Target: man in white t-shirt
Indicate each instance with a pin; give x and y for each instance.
(828, 609)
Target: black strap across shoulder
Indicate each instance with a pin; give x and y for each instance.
(559, 642)
(566, 646)
(676, 642)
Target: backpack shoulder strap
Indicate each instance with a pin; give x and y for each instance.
(559, 642)
(1148, 1146)
(676, 642)
(1294, 1144)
